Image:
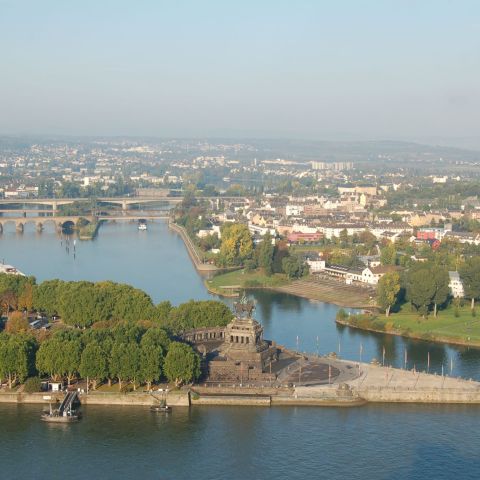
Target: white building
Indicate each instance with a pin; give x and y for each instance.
(456, 285)
(316, 265)
(293, 210)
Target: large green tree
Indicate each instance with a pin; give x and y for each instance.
(294, 266)
(264, 253)
(427, 286)
(125, 362)
(17, 353)
(182, 364)
(151, 360)
(470, 275)
(93, 364)
(441, 289)
(387, 291)
(59, 358)
(388, 254)
(197, 314)
(237, 244)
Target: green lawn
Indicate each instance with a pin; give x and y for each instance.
(238, 279)
(446, 326)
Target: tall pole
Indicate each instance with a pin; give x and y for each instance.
(318, 350)
(383, 357)
(405, 359)
(298, 341)
(428, 362)
(361, 350)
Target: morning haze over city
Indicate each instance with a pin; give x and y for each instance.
(239, 240)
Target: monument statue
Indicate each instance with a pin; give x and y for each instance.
(244, 308)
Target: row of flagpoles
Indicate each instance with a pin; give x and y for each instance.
(405, 355)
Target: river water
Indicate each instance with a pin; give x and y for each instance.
(369, 442)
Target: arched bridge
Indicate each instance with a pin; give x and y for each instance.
(62, 221)
(124, 202)
(59, 221)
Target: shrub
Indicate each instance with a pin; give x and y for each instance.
(32, 385)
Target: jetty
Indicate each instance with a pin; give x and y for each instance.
(65, 412)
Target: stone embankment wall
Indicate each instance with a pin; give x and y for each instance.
(176, 399)
(232, 400)
(395, 395)
(201, 267)
(14, 397)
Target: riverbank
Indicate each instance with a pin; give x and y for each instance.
(463, 330)
(192, 250)
(356, 384)
(312, 288)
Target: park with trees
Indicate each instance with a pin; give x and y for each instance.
(105, 333)
(418, 303)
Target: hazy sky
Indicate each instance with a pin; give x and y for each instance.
(296, 68)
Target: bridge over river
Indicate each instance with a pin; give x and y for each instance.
(63, 221)
(124, 202)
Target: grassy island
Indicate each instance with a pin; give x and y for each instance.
(89, 231)
(454, 325)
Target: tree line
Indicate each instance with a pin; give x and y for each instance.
(425, 285)
(83, 304)
(106, 332)
(127, 354)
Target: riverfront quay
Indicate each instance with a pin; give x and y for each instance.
(351, 385)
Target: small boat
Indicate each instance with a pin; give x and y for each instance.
(65, 413)
(161, 407)
(54, 416)
(142, 226)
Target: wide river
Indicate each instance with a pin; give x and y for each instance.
(375, 442)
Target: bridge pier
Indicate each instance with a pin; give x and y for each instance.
(124, 205)
(39, 227)
(19, 227)
(1, 227)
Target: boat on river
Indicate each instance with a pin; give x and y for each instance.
(55, 417)
(65, 413)
(160, 408)
(142, 226)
